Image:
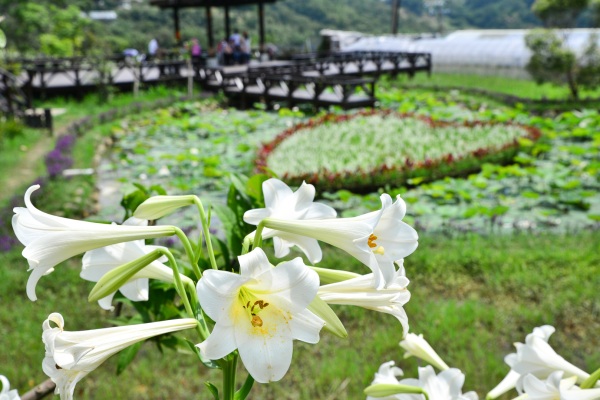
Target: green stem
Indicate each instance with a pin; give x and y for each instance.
(189, 251)
(246, 244)
(229, 377)
(258, 235)
(179, 286)
(199, 251)
(591, 380)
(206, 231)
(179, 283)
(202, 328)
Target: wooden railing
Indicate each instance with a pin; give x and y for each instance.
(319, 80)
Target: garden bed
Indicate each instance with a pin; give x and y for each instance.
(372, 149)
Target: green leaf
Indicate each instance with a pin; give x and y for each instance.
(530, 195)
(2, 39)
(240, 183)
(254, 188)
(525, 142)
(132, 200)
(498, 210)
(332, 322)
(245, 389)
(415, 181)
(233, 232)
(224, 249)
(594, 217)
(209, 363)
(126, 356)
(472, 211)
(213, 389)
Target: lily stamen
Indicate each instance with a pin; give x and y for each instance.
(371, 241)
(380, 250)
(256, 321)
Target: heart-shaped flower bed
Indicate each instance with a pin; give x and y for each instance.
(371, 149)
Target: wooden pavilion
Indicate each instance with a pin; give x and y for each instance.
(208, 4)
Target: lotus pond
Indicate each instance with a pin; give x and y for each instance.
(552, 183)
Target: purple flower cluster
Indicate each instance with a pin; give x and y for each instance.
(7, 242)
(7, 236)
(60, 158)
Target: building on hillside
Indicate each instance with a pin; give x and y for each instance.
(485, 52)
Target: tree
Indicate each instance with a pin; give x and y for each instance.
(551, 59)
(558, 13)
(595, 6)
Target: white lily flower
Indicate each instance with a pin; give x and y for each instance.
(387, 373)
(260, 312)
(282, 203)
(418, 347)
(70, 356)
(377, 239)
(535, 357)
(509, 382)
(6, 393)
(50, 240)
(556, 388)
(360, 292)
(96, 263)
(538, 358)
(447, 385)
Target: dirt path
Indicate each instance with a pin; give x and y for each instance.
(24, 172)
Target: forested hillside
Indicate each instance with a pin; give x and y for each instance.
(49, 26)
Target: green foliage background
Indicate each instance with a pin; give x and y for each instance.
(290, 23)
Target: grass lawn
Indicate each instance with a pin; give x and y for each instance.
(472, 297)
(512, 86)
(92, 105)
(22, 158)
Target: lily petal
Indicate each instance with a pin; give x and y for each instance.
(70, 356)
(49, 239)
(260, 312)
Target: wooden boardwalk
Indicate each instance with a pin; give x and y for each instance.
(344, 79)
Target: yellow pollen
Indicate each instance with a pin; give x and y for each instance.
(256, 321)
(253, 308)
(372, 240)
(380, 250)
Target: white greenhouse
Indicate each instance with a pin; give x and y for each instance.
(489, 52)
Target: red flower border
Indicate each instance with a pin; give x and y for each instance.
(427, 170)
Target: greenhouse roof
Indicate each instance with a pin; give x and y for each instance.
(497, 47)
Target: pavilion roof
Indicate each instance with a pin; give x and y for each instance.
(205, 3)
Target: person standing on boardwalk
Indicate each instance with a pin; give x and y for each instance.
(196, 51)
(224, 52)
(246, 48)
(152, 49)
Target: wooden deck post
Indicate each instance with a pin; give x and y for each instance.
(209, 30)
(261, 26)
(395, 7)
(227, 23)
(176, 22)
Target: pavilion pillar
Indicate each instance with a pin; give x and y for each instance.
(176, 23)
(227, 22)
(261, 26)
(209, 29)
(395, 6)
